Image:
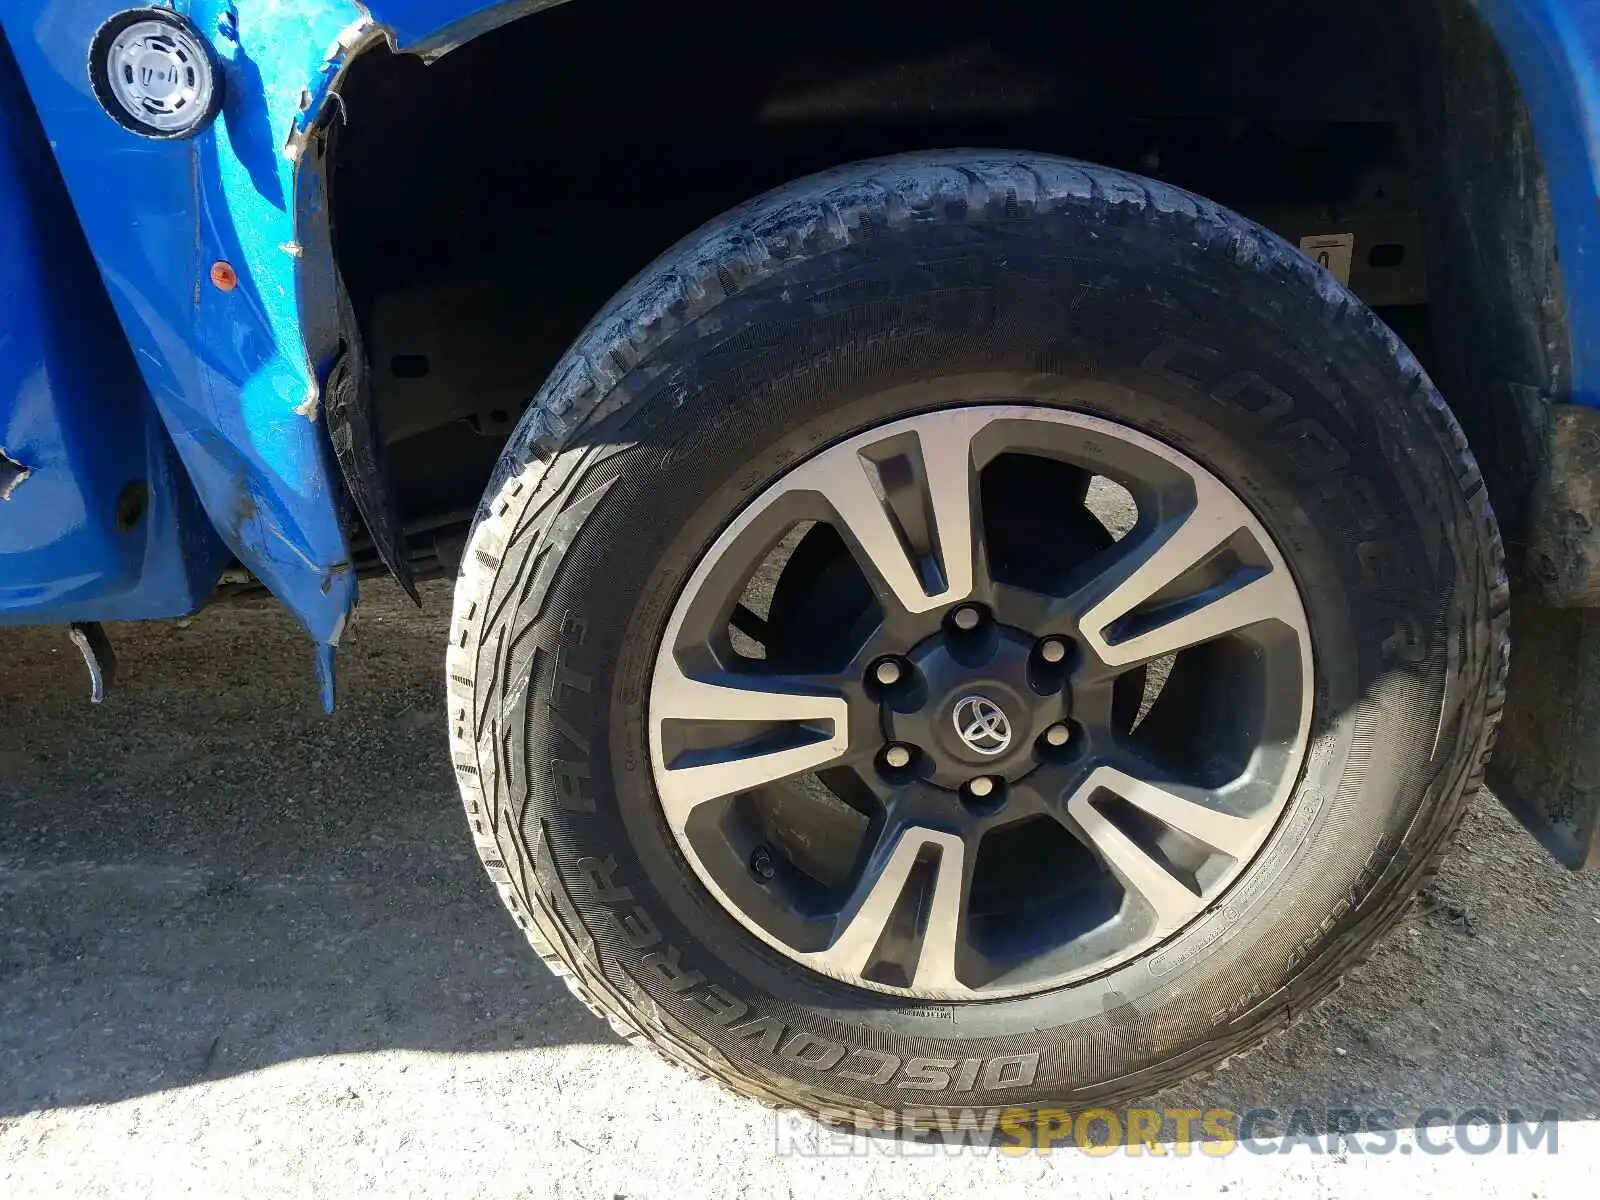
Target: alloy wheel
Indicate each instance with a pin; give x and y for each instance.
(981, 702)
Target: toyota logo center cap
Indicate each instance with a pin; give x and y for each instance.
(982, 725)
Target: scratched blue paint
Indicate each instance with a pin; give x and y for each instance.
(227, 371)
(75, 413)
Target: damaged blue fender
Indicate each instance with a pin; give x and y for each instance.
(98, 519)
(229, 371)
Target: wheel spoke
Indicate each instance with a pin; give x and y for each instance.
(1141, 572)
(1172, 900)
(1237, 837)
(819, 719)
(867, 916)
(1024, 608)
(906, 505)
(1209, 617)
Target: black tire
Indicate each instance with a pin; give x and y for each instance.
(799, 319)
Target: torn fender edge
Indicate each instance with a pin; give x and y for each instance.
(320, 91)
(336, 358)
(12, 475)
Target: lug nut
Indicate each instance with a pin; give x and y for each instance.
(967, 618)
(1057, 735)
(1052, 650)
(761, 864)
(897, 757)
(888, 672)
(981, 786)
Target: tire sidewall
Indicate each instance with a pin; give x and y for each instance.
(1282, 400)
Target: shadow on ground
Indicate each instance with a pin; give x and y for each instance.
(207, 876)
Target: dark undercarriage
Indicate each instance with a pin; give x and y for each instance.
(568, 150)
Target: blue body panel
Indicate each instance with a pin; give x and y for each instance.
(230, 374)
(1553, 46)
(75, 415)
(227, 371)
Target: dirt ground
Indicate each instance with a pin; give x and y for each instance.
(247, 950)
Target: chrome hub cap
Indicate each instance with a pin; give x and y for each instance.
(975, 702)
(982, 725)
(981, 702)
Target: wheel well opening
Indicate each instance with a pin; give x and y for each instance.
(487, 205)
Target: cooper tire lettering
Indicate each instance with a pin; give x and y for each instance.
(764, 1032)
(638, 927)
(571, 778)
(1183, 361)
(808, 1050)
(1271, 403)
(724, 1009)
(1313, 449)
(927, 1074)
(671, 974)
(600, 874)
(1011, 1071)
(887, 1065)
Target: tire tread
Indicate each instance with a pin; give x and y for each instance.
(815, 216)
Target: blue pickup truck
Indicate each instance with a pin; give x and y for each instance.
(992, 543)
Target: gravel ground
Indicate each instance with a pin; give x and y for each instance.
(248, 951)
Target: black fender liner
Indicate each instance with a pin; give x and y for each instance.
(1547, 767)
(1499, 320)
(333, 339)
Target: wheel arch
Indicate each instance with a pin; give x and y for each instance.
(1551, 48)
(1508, 112)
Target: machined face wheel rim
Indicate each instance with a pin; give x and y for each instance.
(981, 743)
